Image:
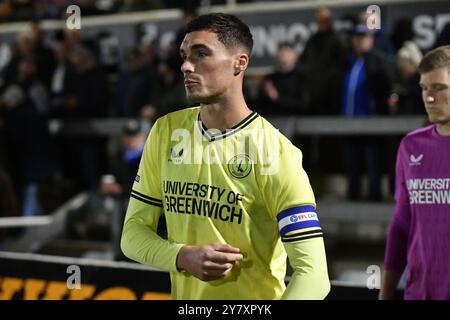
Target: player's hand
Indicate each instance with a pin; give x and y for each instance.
(208, 262)
(271, 90)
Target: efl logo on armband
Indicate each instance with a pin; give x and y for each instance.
(297, 218)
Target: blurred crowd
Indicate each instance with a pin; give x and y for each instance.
(358, 73)
(25, 10)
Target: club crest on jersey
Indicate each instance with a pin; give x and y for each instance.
(176, 155)
(240, 166)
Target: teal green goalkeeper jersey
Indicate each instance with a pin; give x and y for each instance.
(245, 187)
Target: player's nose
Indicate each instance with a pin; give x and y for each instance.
(187, 67)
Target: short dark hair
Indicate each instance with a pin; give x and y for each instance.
(435, 59)
(286, 44)
(230, 30)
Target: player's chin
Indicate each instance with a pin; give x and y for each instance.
(438, 119)
(196, 98)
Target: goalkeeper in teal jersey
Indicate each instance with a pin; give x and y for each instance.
(236, 199)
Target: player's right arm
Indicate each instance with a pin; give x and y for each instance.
(397, 240)
(208, 262)
(140, 242)
(390, 283)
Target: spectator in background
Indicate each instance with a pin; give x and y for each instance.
(6, 11)
(123, 167)
(406, 89)
(88, 7)
(402, 31)
(149, 55)
(381, 40)
(134, 86)
(168, 94)
(188, 15)
(8, 199)
(366, 85)
(30, 43)
(88, 100)
(62, 82)
(322, 55)
(125, 161)
(90, 96)
(50, 9)
(44, 55)
(283, 92)
(405, 99)
(25, 103)
(141, 5)
(8, 72)
(15, 10)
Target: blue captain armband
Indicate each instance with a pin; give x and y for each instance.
(299, 223)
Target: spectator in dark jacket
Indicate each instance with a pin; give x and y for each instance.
(88, 100)
(283, 92)
(322, 55)
(366, 85)
(25, 103)
(365, 78)
(135, 85)
(407, 94)
(90, 93)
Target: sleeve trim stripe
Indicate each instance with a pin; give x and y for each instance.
(302, 233)
(299, 222)
(303, 238)
(146, 197)
(295, 210)
(146, 201)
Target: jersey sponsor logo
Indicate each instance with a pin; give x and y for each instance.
(203, 200)
(415, 160)
(429, 191)
(240, 166)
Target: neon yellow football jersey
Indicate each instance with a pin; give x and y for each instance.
(245, 187)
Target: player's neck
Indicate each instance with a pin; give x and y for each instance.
(443, 129)
(224, 115)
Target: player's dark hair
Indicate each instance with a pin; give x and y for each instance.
(231, 31)
(435, 59)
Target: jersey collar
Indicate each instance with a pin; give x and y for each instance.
(213, 137)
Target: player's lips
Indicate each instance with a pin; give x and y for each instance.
(190, 83)
(432, 108)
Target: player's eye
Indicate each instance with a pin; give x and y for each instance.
(440, 87)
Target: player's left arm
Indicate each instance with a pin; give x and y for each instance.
(310, 277)
(291, 197)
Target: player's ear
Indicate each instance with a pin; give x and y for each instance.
(241, 63)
